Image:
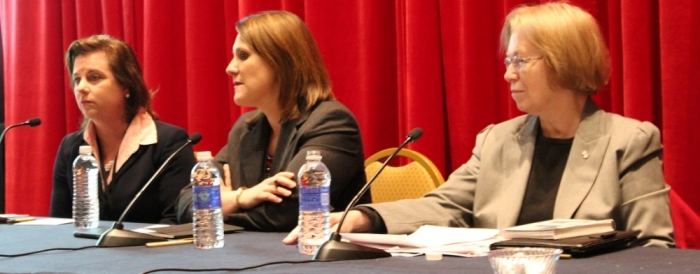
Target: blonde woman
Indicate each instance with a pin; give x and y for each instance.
(565, 159)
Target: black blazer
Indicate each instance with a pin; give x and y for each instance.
(157, 202)
(329, 127)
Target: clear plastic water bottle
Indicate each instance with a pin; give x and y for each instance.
(206, 202)
(314, 180)
(86, 204)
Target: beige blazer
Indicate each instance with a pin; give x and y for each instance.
(613, 171)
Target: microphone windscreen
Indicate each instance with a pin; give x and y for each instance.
(34, 122)
(415, 134)
(195, 138)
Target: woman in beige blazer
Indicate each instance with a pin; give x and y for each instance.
(566, 158)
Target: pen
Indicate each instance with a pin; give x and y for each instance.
(19, 220)
(169, 243)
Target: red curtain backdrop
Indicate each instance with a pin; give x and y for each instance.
(397, 64)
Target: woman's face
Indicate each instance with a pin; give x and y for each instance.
(253, 79)
(98, 94)
(529, 83)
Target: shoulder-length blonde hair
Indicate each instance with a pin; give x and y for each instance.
(570, 41)
(124, 65)
(286, 44)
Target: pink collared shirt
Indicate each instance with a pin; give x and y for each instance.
(141, 131)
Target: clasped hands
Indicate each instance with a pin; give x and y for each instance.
(272, 189)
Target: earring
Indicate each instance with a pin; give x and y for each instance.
(127, 96)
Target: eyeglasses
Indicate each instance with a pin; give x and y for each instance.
(518, 61)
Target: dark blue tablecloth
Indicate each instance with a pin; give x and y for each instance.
(243, 249)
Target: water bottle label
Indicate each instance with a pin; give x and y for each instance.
(203, 176)
(206, 197)
(314, 198)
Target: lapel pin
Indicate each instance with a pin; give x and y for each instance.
(584, 154)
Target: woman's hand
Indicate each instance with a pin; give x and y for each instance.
(270, 190)
(356, 221)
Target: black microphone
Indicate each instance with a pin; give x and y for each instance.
(336, 250)
(31, 122)
(117, 236)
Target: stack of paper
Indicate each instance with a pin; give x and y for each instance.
(559, 229)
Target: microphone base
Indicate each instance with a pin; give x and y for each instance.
(340, 251)
(118, 237)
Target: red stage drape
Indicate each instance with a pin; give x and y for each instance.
(396, 64)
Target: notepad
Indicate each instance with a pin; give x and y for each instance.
(163, 231)
(180, 231)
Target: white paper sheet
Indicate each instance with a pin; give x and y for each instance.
(13, 215)
(425, 236)
(47, 221)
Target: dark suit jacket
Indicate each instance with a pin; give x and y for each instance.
(329, 128)
(613, 171)
(157, 202)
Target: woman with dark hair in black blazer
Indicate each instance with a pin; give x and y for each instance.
(277, 69)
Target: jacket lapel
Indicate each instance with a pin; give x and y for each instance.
(252, 156)
(584, 161)
(288, 139)
(133, 158)
(517, 160)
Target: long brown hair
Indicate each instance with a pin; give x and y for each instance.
(286, 44)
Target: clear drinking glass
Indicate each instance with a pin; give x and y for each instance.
(524, 260)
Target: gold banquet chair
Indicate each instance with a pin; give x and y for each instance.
(410, 181)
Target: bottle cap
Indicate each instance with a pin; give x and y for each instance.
(84, 150)
(313, 155)
(204, 156)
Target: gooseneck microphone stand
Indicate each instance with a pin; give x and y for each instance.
(336, 250)
(117, 236)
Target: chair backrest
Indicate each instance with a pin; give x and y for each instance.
(410, 181)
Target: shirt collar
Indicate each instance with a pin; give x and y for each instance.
(141, 131)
